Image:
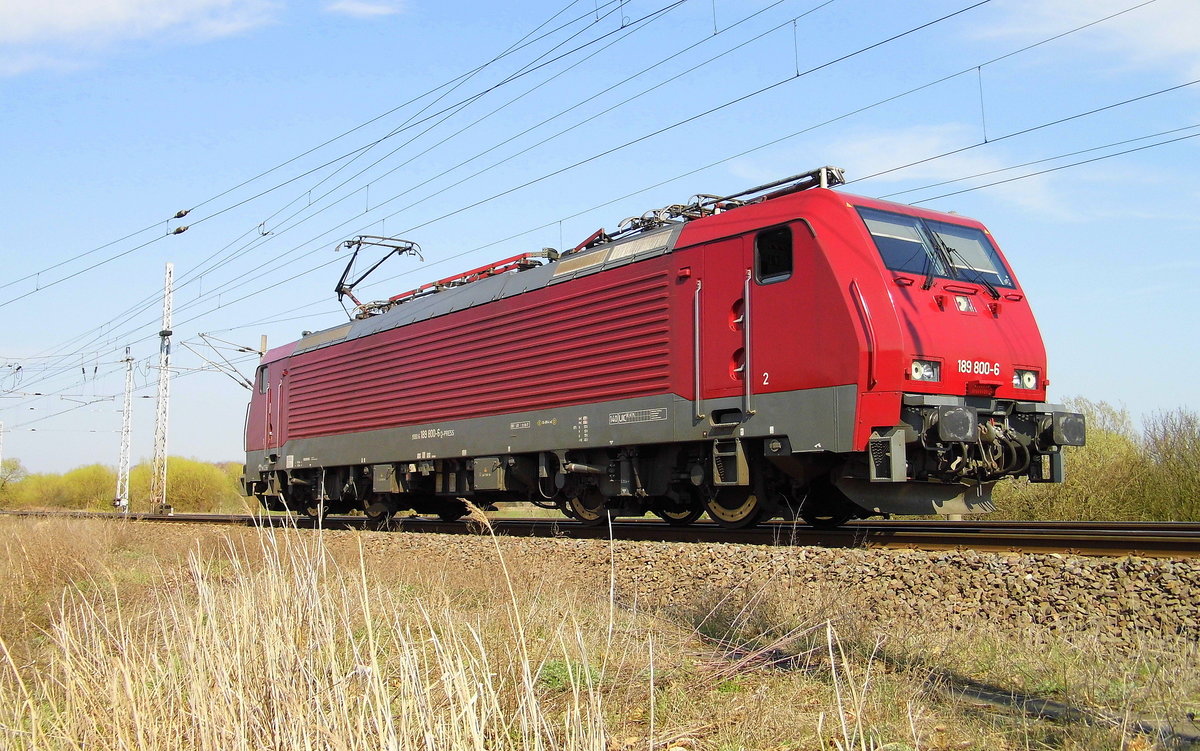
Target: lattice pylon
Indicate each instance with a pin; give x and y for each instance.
(122, 499)
(158, 477)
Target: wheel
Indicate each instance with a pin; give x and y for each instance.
(588, 508)
(679, 517)
(826, 507)
(825, 519)
(452, 511)
(679, 509)
(735, 507)
(379, 515)
(316, 510)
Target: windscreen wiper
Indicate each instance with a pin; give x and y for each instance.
(930, 270)
(950, 252)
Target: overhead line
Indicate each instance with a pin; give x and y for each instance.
(472, 98)
(737, 100)
(1039, 161)
(966, 190)
(452, 111)
(1025, 131)
(285, 163)
(690, 119)
(401, 106)
(627, 27)
(542, 142)
(606, 111)
(1061, 167)
(777, 140)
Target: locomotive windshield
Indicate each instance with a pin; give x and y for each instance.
(925, 246)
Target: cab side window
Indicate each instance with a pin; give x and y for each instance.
(773, 255)
(262, 379)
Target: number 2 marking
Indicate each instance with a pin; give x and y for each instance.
(766, 378)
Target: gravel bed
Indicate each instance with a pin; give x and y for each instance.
(1115, 597)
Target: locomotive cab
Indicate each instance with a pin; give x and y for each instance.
(967, 364)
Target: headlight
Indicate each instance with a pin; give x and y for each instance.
(925, 370)
(1025, 379)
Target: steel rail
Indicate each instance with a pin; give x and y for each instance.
(1152, 539)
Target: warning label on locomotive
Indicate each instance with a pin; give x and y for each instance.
(636, 415)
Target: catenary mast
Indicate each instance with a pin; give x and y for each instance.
(158, 478)
(122, 499)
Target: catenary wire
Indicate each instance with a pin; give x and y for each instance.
(183, 282)
(631, 26)
(287, 162)
(978, 175)
(1060, 167)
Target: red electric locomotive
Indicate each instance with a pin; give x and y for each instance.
(786, 351)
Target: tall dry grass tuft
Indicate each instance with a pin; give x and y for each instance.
(294, 652)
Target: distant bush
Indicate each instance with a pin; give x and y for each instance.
(11, 473)
(89, 487)
(1172, 443)
(1119, 474)
(191, 486)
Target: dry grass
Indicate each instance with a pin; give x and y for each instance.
(913, 685)
(119, 636)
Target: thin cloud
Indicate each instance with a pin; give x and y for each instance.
(41, 34)
(365, 8)
(1160, 35)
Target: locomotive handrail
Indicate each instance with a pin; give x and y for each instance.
(697, 401)
(865, 312)
(747, 373)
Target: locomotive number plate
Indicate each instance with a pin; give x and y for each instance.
(979, 367)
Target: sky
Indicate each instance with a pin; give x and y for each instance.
(285, 128)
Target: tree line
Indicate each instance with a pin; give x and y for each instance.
(191, 486)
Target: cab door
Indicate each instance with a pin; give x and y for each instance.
(256, 427)
(801, 336)
(772, 290)
(722, 332)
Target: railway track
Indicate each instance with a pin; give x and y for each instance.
(1153, 539)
